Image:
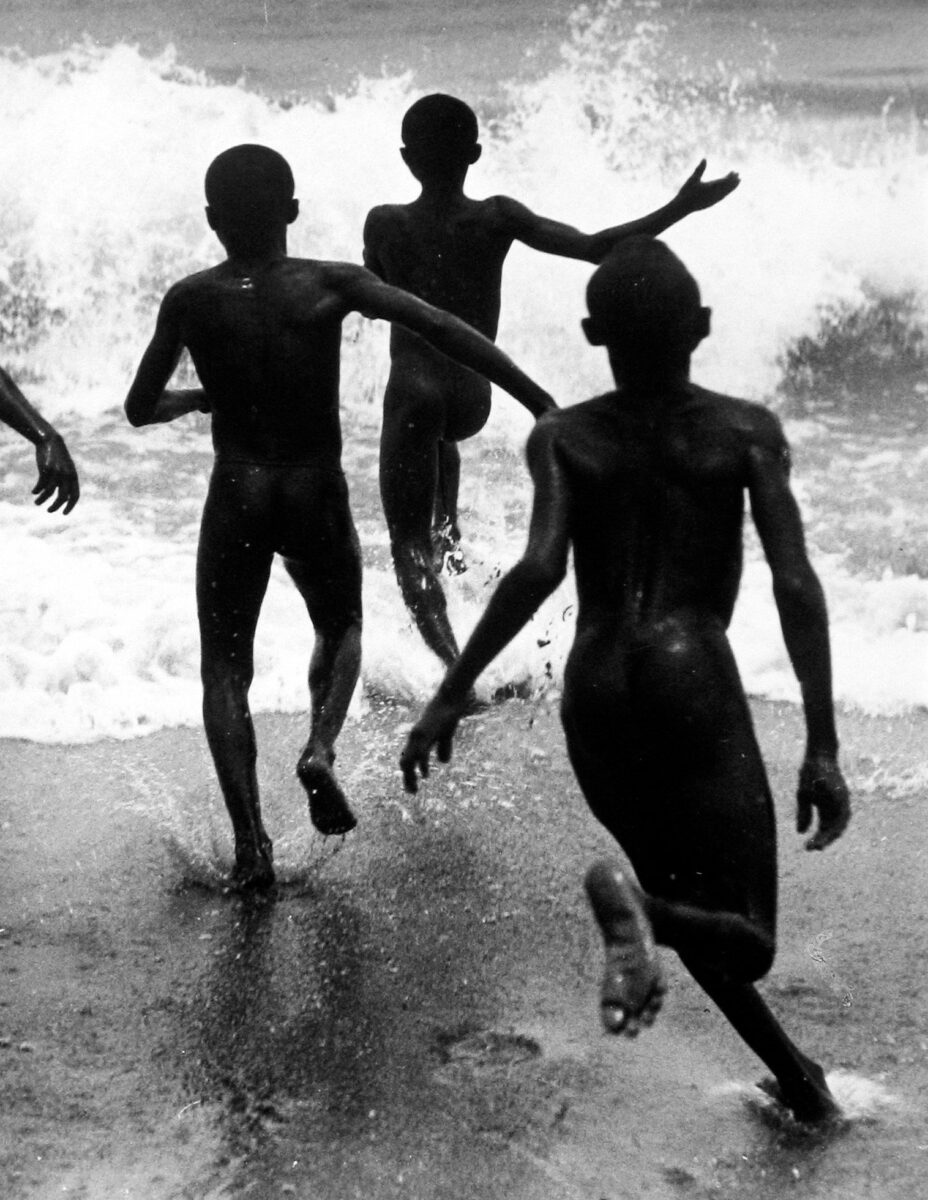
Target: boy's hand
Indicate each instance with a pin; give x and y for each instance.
(822, 787)
(57, 473)
(696, 194)
(436, 728)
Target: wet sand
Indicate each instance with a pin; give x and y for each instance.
(415, 1015)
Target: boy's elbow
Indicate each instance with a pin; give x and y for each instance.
(136, 415)
(798, 590)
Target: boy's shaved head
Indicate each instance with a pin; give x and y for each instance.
(440, 125)
(249, 181)
(643, 299)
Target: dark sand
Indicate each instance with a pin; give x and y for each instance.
(415, 1016)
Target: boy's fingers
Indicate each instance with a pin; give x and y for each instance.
(410, 780)
(803, 812)
(73, 495)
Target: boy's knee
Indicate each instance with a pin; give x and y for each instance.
(225, 677)
(757, 957)
(339, 628)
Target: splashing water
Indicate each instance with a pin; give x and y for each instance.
(816, 283)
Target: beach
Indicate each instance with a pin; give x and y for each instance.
(415, 1015)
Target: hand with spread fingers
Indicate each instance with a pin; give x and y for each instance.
(698, 193)
(436, 728)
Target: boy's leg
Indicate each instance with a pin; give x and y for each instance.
(687, 798)
(446, 533)
(632, 989)
(409, 443)
(232, 575)
(334, 668)
(323, 558)
(800, 1082)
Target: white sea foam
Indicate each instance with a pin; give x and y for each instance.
(858, 1097)
(101, 163)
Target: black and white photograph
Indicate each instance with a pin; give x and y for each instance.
(464, 603)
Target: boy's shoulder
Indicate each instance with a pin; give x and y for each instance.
(604, 415)
(753, 421)
(293, 277)
(575, 424)
(386, 217)
(189, 290)
(385, 214)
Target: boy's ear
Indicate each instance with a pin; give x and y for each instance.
(702, 325)
(210, 217)
(590, 331)
(475, 153)
(293, 211)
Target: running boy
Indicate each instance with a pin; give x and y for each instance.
(450, 250)
(57, 473)
(647, 484)
(264, 333)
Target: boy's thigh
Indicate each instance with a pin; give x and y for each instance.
(234, 560)
(428, 401)
(321, 550)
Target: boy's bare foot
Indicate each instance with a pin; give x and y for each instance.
(328, 808)
(810, 1102)
(253, 870)
(633, 985)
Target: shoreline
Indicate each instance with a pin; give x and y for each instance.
(415, 1013)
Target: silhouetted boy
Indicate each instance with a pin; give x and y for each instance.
(647, 485)
(264, 333)
(450, 250)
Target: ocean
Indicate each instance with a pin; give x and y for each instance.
(815, 269)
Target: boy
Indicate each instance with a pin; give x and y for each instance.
(56, 470)
(647, 485)
(450, 250)
(264, 333)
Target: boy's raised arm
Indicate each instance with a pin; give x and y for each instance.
(149, 401)
(370, 296)
(554, 237)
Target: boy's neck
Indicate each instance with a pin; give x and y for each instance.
(442, 192)
(246, 259)
(650, 380)
(249, 262)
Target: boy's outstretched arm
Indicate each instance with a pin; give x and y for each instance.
(553, 237)
(517, 596)
(804, 620)
(57, 472)
(150, 401)
(370, 296)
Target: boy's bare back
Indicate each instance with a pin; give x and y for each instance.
(451, 256)
(655, 495)
(266, 347)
